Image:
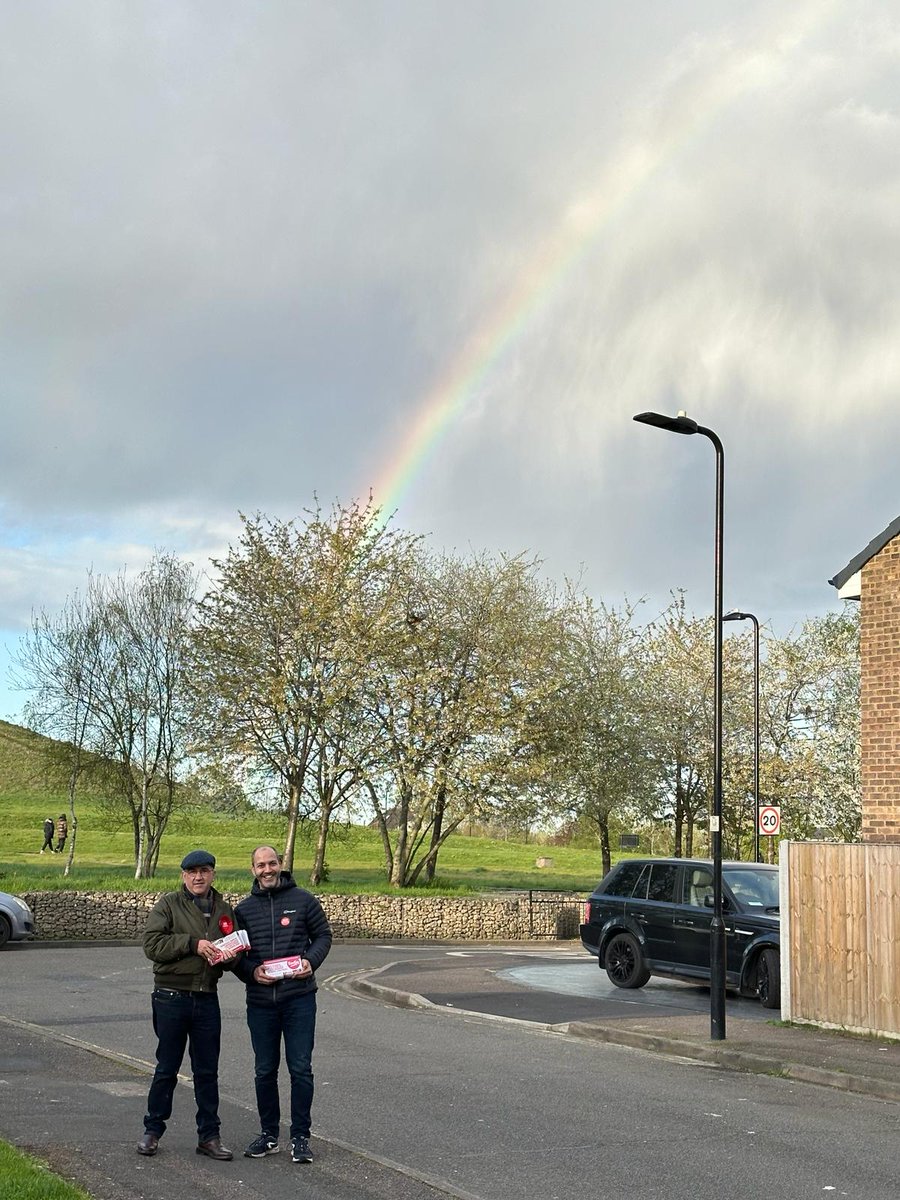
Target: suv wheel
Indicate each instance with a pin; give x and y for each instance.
(768, 979)
(624, 962)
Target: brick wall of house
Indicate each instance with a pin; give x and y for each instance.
(880, 695)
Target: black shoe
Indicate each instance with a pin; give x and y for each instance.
(261, 1146)
(148, 1144)
(300, 1151)
(214, 1149)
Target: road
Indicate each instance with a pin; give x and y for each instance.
(493, 1110)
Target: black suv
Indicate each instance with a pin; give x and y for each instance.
(652, 917)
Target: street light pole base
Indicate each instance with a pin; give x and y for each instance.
(717, 979)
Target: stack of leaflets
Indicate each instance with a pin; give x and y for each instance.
(232, 941)
(281, 968)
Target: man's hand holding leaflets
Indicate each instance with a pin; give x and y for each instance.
(225, 948)
(273, 969)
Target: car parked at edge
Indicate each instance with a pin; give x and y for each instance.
(652, 917)
(16, 919)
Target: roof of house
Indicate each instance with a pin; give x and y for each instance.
(846, 581)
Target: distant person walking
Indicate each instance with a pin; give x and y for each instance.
(48, 835)
(62, 832)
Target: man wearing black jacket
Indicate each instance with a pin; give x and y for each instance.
(283, 921)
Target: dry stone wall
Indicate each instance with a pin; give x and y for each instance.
(105, 915)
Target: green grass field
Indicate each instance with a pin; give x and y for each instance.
(104, 860)
(104, 856)
(26, 1178)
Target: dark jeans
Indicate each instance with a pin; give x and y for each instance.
(294, 1020)
(180, 1019)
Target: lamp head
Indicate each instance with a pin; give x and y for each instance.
(681, 423)
(734, 615)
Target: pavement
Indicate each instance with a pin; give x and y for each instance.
(61, 1097)
(61, 1100)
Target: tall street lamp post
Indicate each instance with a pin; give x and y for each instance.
(682, 423)
(734, 615)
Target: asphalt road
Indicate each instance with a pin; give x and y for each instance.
(493, 1110)
(565, 984)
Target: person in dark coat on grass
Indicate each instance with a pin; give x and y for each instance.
(48, 835)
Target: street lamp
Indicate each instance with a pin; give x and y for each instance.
(734, 615)
(682, 423)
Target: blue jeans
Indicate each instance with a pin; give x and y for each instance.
(179, 1019)
(294, 1020)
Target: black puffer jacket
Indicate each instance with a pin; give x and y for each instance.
(281, 922)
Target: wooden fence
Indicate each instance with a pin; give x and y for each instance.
(840, 935)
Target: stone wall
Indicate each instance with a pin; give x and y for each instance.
(880, 695)
(99, 915)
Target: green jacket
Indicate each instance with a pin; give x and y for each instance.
(174, 927)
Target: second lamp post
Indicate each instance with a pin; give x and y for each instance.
(734, 615)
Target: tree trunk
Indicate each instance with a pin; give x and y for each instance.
(440, 805)
(317, 874)
(384, 832)
(293, 813)
(605, 852)
(431, 857)
(73, 822)
(400, 864)
(142, 865)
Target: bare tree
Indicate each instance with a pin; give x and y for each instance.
(57, 660)
(143, 717)
(109, 677)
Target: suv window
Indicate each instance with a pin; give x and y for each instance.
(698, 884)
(623, 881)
(663, 877)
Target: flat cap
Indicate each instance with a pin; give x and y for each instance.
(197, 858)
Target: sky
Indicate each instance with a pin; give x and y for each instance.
(255, 254)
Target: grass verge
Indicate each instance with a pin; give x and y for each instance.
(27, 1178)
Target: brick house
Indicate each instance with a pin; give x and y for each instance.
(873, 578)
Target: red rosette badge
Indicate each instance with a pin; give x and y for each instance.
(226, 925)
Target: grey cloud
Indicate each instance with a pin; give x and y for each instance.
(242, 243)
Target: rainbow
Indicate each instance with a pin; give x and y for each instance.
(757, 64)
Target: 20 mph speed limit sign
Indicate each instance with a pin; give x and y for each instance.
(770, 820)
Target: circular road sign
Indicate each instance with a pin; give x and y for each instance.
(770, 820)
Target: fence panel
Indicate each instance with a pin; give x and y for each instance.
(841, 950)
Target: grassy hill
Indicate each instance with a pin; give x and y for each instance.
(22, 763)
(104, 857)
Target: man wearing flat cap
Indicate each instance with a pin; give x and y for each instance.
(178, 938)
